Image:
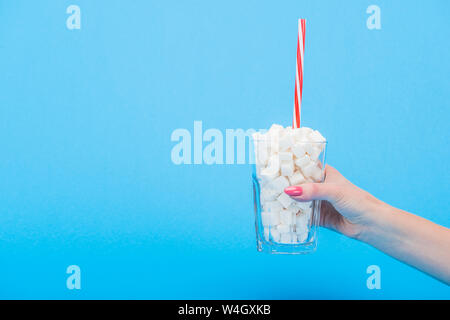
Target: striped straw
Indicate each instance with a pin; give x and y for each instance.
(299, 73)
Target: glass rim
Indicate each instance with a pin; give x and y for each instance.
(297, 142)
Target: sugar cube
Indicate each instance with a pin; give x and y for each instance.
(315, 136)
(286, 141)
(262, 154)
(274, 218)
(287, 168)
(298, 150)
(285, 200)
(285, 238)
(285, 156)
(313, 171)
(273, 164)
(286, 217)
(279, 183)
(303, 161)
(273, 206)
(283, 228)
(302, 221)
(302, 237)
(317, 175)
(268, 194)
(309, 148)
(314, 153)
(303, 206)
(276, 128)
(294, 237)
(297, 178)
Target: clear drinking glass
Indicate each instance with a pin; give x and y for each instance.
(275, 235)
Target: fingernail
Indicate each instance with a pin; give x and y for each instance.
(293, 191)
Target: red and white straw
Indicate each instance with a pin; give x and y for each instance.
(299, 73)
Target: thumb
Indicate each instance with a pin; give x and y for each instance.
(315, 191)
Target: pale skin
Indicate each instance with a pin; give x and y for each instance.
(357, 214)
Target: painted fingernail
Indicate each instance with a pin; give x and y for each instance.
(293, 191)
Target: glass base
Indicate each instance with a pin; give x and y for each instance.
(279, 248)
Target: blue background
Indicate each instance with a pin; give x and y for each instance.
(86, 116)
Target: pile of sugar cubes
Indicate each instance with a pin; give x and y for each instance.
(286, 157)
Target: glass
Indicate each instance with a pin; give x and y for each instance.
(276, 231)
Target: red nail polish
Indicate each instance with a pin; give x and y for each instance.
(294, 191)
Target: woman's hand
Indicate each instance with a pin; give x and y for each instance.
(357, 214)
(347, 209)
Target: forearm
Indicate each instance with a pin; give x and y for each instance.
(411, 239)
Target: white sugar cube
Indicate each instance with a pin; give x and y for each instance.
(284, 228)
(308, 212)
(286, 217)
(297, 134)
(287, 168)
(317, 175)
(297, 178)
(273, 164)
(274, 143)
(286, 141)
(315, 136)
(285, 200)
(267, 176)
(302, 221)
(285, 238)
(262, 154)
(273, 206)
(303, 133)
(309, 148)
(314, 153)
(274, 218)
(276, 128)
(321, 146)
(285, 156)
(300, 135)
(309, 169)
(268, 194)
(298, 150)
(273, 136)
(293, 207)
(303, 161)
(303, 206)
(272, 170)
(278, 184)
(302, 237)
(307, 131)
(294, 237)
(312, 171)
(294, 216)
(301, 232)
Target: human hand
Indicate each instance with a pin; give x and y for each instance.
(357, 214)
(347, 209)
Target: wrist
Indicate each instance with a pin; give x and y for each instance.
(379, 224)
